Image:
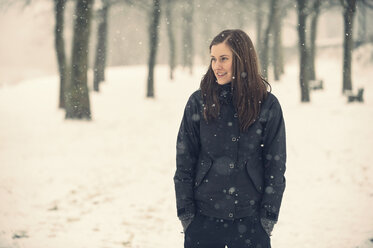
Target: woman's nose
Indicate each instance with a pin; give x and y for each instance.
(217, 65)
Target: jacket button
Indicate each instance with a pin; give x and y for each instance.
(235, 115)
(234, 139)
(230, 215)
(231, 165)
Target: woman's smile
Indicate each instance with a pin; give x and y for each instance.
(220, 74)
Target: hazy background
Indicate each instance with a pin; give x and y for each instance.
(27, 43)
(107, 182)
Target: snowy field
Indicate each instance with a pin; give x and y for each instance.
(108, 183)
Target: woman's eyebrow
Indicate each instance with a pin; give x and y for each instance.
(220, 55)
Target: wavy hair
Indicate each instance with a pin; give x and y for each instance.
(249, 88)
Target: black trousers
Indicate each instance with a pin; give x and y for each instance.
(208, 232)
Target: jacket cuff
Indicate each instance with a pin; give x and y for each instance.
(186, 217)
(186, 211)
(268, 215)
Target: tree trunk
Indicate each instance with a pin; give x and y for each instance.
(77, 104)
(313, 33)
(60, 48)
(278, 61)
(171, 37)
(153, 45)
(267, 35)
(303, 74)
(101, 48)
(188, 52)
(349, 11)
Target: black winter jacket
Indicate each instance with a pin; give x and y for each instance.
(224, 173)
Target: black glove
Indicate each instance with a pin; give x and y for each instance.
(186, 223)
(268, 225)
(186, 220)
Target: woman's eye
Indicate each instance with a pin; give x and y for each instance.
(213, 59)
(224, 58)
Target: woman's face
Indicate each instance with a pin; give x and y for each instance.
(221, 62)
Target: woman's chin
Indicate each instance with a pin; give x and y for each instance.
(222, 82)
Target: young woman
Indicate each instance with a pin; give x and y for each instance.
(231, 152)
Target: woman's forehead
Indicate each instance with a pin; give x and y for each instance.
(220, 49)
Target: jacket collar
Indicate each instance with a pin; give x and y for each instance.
(225, 93)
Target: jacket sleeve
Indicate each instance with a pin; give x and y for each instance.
(274, 157)
(187, 152)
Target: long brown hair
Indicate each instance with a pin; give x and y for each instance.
(249, 88)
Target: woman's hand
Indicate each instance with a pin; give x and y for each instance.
(186, 220)
(268, 225)
(186, 223)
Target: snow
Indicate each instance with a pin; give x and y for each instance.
(108, 182)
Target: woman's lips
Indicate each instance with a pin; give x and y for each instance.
(220, 75)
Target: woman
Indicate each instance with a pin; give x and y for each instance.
(231, 152)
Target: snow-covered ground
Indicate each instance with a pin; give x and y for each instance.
(108, 182)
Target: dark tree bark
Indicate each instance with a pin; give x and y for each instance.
(171, 37)
(267, 36)
(188, 49)
(303, 52)
(101, 48)
(153, 45)
(59, 6)
(349, 12)
(77, 104)
(313, 33)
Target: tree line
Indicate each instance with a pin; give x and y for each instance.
(308, 13)
(190, 22)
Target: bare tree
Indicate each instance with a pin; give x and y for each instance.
(303, 51)
(312, 55)
(153, 45)
(59, 8)
(349, 8)
(101, 48)
(267, 35)
(154, 13)
(171, 37)
(77, 100)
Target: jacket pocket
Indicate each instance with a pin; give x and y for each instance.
(256, 174)
(202, 169)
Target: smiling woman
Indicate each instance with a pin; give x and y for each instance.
(231, 152)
